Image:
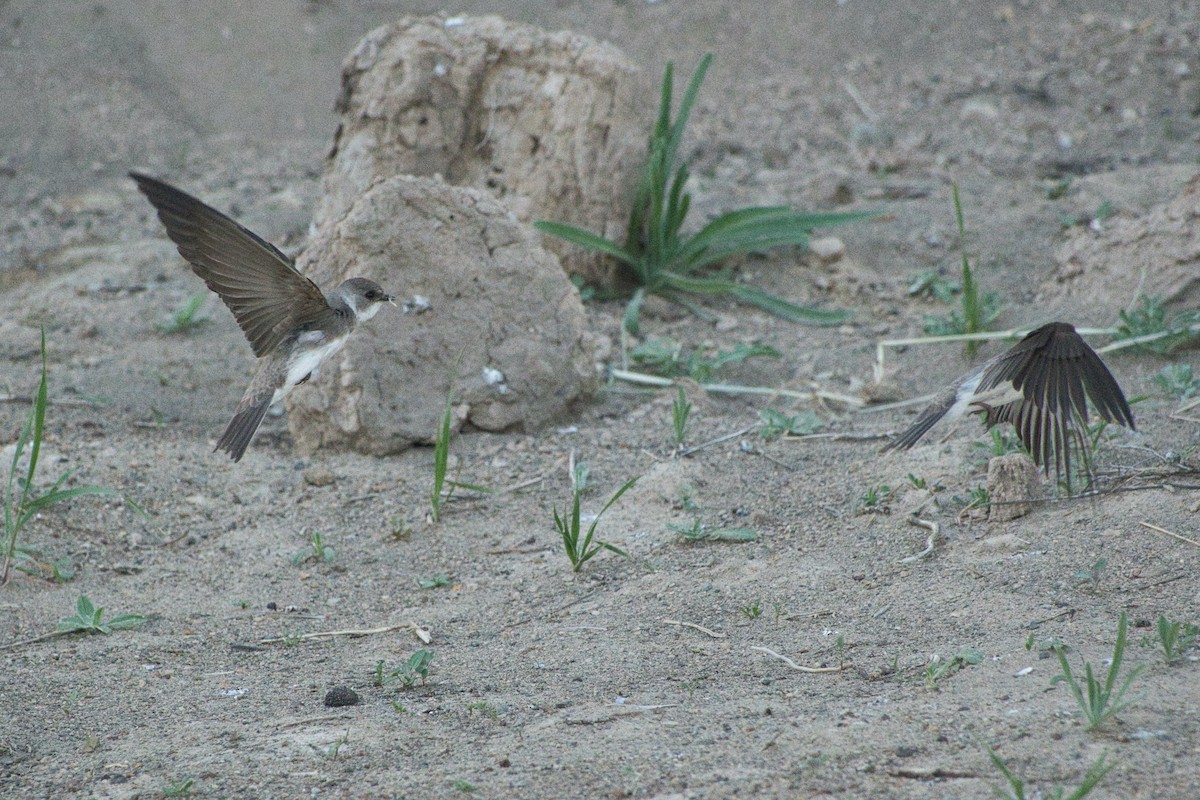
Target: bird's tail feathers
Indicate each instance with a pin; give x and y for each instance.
(245, 422)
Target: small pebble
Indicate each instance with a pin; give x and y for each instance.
(341, 696)
(318, 476)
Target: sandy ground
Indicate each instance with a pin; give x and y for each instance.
(643, 676)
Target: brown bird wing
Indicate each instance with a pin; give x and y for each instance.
(266, 294)
(1056, 372)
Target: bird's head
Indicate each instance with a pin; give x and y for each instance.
(364, 297)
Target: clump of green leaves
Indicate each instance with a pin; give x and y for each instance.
(939, 667)
(1091, 576)
(1150, 319)
(185, 319)
(317, 550)
(1177, 382)
(978, 310)
(670, 359)
(873, 500)
(932, 283)
(20, 501)
(754, 610)
(659, 260)
(579, 547)
(438, 581)
(776, 423)
(1016, 786)
(179, 788)
(89, 619)
(1100, 700)
(407, 674)
(681, 409)
(1175, 638)
(698, 532)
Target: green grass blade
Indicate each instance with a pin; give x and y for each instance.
(587, 239)
(39, 424)
(51, 498)
(756, 297)
(685, 107)
(633, 310)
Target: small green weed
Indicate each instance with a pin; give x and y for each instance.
(660, 261)
(671, 360)
(185, 319)
(932, 283)
(1091, 575)
(1150, 318)
(1016, 786)
(407, 674)
(464, 786)
(1176, 381)
(939, 668)
(754, 610)
(681, 409)
(484, 708)
(581, 550)
(441, 458)
(317, 550)
(1057, 189)
(179, 788)
(873, 500)
(1100, 701)
(1175, 638)
(776, 424)
(437, 581)
(978, 310)
(698, 532)
(20, 502)
(89, 619)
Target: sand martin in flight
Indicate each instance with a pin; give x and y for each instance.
(291, 325)
(1041, 386)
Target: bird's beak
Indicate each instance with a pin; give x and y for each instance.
(389, 299)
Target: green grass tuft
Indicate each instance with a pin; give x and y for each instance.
(661, 261)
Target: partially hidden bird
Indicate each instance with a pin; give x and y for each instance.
(292, 327)
(1041, 386)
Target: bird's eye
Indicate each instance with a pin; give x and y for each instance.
(372, 295)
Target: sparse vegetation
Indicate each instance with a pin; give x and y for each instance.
(20, 501)
(681, 409)
(406, 674)
(776, 423)
(1091, 575)
(672, 360)
(437, 581)
(698, 532)
(1016, 786)
(1100, 701)
(581, 550)
(89, 619)
(317, 550)
(1175, 638)
(873, 500)
(184, 319)
(753, 611)
(978, 310)
(485, 709)
(179, 788)
(441, 459)
(1149, 319)
(1177, 382)
(661, 261)
(939, 667)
